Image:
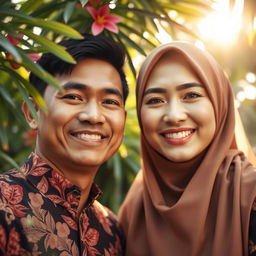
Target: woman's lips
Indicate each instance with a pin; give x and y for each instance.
(178, 136)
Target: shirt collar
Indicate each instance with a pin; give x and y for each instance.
(54, 185)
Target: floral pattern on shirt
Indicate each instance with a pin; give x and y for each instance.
(38, 216)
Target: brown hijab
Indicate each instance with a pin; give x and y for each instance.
(210, 215)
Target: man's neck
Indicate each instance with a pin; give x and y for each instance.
(82, 177)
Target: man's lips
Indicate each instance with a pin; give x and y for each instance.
(178, 136)
(89, 135)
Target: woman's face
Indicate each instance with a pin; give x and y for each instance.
(177, 115)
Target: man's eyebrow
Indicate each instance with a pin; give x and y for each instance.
(113, 91)
(78, 86)
(73, 85)
(178, 88)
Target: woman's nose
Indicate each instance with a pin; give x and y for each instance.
(175, 112)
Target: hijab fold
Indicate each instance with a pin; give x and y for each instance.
(207, 212)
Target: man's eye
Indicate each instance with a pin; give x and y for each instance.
(154, 101)
(72, 97)
(111, 102)
(192, 95)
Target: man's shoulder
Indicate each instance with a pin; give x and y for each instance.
(11, 176)
(104, 211)
(108, 220)
(12, 188)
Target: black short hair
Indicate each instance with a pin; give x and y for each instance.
(96, 47)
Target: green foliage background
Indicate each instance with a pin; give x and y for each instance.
(55, 19)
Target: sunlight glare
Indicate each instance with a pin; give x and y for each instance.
(223, 25)
(200, 44)
(250, 77)
(162, 35)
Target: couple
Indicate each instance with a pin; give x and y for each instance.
(195, 193)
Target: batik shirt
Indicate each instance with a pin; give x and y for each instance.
(38, 215)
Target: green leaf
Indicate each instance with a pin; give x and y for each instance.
(13, 13)
(131, 43)
(131, 64)
(27, 100)
(42, 23)
(186, 9)
(5, 94)
(132, 164)
(39, 71)
(128, 57)
(30, 88)
(132, 30)
(68, 11)
(8, 159)
(58, 27)
(55, 49)
(117, 167)
(47, 8)
(83, 2)
(4, 120)
(10, 48)
(30, 5)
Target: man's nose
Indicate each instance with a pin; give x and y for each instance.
(91, 112)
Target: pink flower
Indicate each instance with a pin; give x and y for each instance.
(103, 19)
(14, 41)
(33, 56)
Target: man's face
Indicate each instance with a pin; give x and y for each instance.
(84, 124)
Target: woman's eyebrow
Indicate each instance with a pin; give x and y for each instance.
(154, 90)
(188, 85)
(178, 88)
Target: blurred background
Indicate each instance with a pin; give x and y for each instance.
(226, 28)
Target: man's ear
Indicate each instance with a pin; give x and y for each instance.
(32, 122)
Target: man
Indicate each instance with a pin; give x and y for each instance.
(48, 206)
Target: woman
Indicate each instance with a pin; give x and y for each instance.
(195, 193)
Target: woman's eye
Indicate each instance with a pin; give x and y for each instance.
(192, 95)
(72, 97)
(154, 101)
(111, 102)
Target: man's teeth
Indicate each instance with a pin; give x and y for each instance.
(178, 135)
(88, 136)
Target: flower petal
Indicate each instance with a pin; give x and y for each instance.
(111, 27)
(103, 10)
(92, 11)
(113, 19)
(34, 56)
(97, 28)
(12, 39)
